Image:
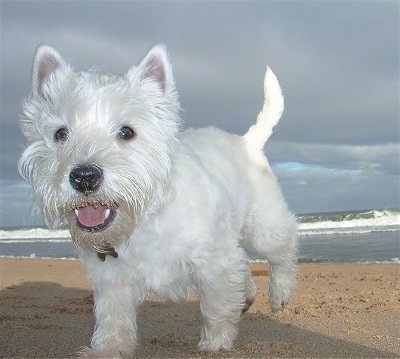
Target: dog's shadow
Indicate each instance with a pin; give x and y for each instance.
(43, 319)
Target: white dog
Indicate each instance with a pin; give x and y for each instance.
(151, 208)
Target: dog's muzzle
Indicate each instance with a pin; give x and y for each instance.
(92, 213)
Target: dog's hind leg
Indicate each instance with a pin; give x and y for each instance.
(283, 279)
(271, 232)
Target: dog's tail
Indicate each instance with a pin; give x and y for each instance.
(270, 114)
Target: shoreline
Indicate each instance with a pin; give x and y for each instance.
(339, 310)
(251, 261)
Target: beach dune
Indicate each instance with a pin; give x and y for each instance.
(338, 311)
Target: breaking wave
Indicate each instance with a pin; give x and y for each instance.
(354, 222)
(30, 235)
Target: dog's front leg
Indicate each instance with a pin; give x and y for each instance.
(222, 298)
(115, 329)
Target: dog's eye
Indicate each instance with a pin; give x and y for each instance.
(61, 134)
(125, 133)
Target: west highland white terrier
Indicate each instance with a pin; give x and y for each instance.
(151, 208)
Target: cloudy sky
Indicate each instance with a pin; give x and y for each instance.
(337, 145)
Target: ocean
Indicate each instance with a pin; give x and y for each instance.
(371, 236)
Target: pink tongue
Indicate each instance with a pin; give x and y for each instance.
(92, 216)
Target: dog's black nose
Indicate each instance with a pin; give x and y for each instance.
(86, 178)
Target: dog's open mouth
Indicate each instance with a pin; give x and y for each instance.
(95, 217)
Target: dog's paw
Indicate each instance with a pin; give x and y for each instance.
(213, 346)
(280, 292)
(87, 352)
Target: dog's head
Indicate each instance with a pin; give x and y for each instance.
(99, 146)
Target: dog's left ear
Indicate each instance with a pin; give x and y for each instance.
(156, 66)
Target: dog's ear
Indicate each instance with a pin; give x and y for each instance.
(156, 66)
(47, 61)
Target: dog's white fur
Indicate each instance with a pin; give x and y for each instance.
(187, 202)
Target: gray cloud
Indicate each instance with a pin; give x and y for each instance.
(337, 63)
(382, 158)
(312, 189)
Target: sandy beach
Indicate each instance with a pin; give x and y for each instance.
(338, 311)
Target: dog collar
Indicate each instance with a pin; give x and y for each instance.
(106, 250)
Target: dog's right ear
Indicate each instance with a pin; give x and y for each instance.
(47, 61)
(155, 66)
